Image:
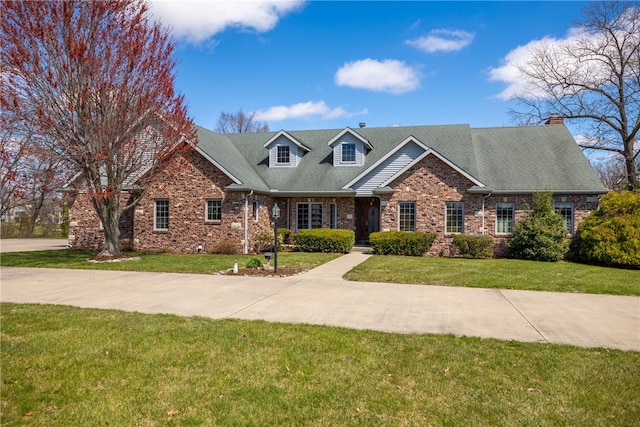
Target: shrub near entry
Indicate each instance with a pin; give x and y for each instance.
(324, 240)
(411, 243)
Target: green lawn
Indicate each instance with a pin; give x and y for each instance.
(159, 262)
(65, 366)
(499, 273)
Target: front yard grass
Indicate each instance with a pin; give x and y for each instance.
(158, 262)
(65, 366)
(485, 273)
(498, 273)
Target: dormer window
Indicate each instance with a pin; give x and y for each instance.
(285, 151)
(283, 155)
(349, 148)
(348, 153)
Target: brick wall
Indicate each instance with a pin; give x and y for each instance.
(430, 184)
(187, 182)
(85, 230)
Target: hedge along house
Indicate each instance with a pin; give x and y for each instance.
(443, 179)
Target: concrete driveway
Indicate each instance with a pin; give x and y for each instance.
(322, 297)
(22, 245)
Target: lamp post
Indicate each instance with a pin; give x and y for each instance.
(276, 215)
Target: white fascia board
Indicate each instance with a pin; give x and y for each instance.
(340, 134)
(384, 158)
(289, 137)
(218, 165)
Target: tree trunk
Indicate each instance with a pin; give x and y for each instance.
(111, 225)
(632, 177)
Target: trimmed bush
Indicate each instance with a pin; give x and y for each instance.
(410, 243)
(226, 247)
(474, 246)
(324, 240)
(611, 235)
(254, 262)
(284, 236)
(542, 236)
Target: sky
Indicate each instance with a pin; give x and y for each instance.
(303, 65)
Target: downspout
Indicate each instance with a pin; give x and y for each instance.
(245, 248)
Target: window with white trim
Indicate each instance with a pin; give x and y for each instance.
(348, 153)
(566, 212)
(283, 155)
(161, 215)
(214, 210)
(454, 217)
(309, 215)
(505, 217)
(407, 216)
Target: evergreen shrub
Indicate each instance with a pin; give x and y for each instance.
(542, 236)
(611, 235)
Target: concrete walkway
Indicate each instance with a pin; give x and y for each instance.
(322, 297)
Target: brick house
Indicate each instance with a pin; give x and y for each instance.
(443, 179)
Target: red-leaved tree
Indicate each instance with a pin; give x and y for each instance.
(95, 81)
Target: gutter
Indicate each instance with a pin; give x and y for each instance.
(498, 192)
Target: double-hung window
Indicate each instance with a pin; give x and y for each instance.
(348, 153)
(283, 155)
(309, 215)
(407, 216)
(161, 215)
(565, 210)
(454, 217)
(214, 210)
(505, 215)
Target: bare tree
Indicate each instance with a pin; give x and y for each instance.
(240, 122)
(594, 78)
(95, 80)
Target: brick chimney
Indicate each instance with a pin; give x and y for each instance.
(555, 120)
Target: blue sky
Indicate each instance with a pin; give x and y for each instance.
(332, 64)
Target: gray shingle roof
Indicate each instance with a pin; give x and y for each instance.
(517, 159)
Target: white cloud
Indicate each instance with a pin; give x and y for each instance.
(304, 110)
(198, 20)
(442, 41)
(381, 76)
(579, 65)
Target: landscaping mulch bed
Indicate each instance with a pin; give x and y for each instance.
(261, 272)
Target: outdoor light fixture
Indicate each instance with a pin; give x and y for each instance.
(275, 212)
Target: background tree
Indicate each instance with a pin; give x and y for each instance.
(95, 81)
(14, 137)
(240, 122)
(594, 78)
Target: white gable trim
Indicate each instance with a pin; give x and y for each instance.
(439, 156)
(218, 165)
(383, 159)
(286, 135)
(427, 151)
(356, 135)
